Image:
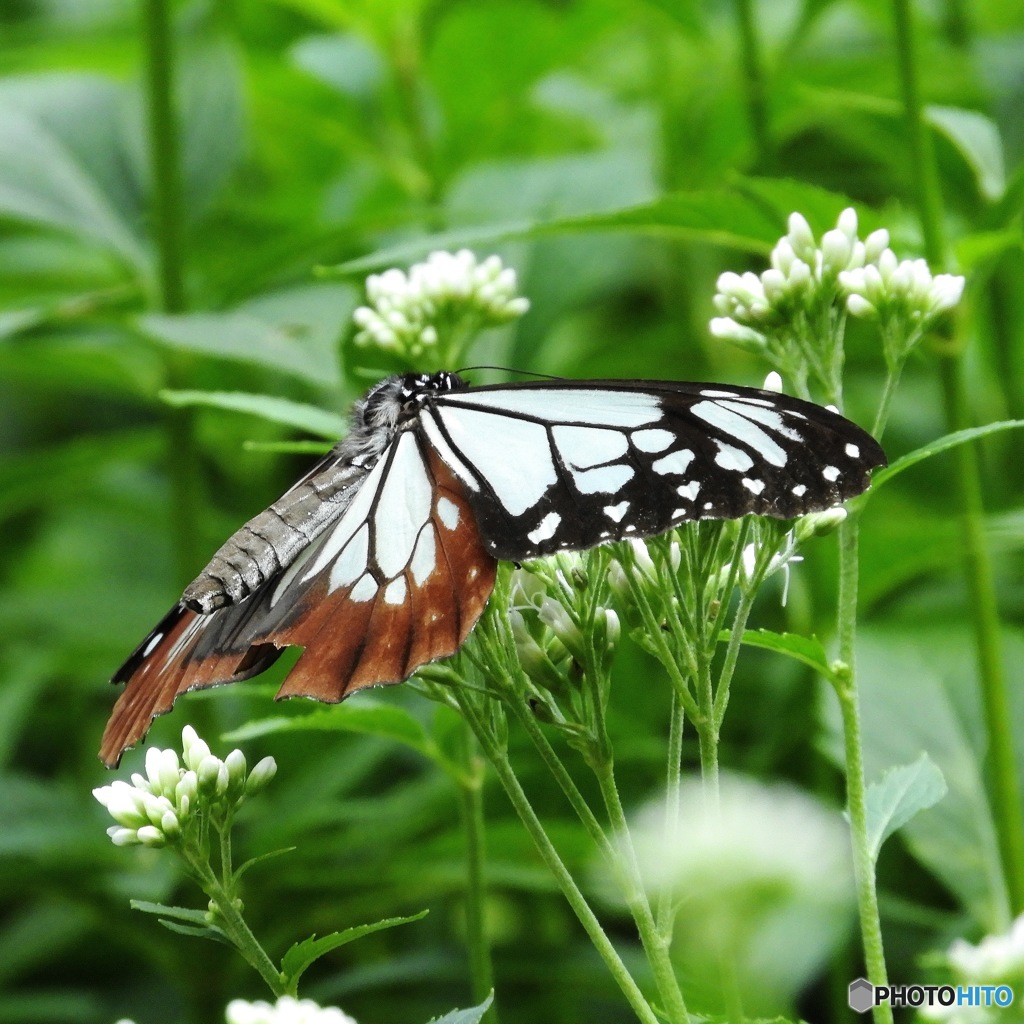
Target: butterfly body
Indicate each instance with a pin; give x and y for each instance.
(383, 556)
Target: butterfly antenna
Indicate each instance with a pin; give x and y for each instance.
(511, 370)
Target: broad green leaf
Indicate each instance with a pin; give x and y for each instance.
(44, 181)
(343, 61)
(304, 953)
(977, 139)
(293, 332)
(940, 444)
(367, 716)
(807, 649)
(899, 795)
(471, 1015)
(979, 248)
(309, 418)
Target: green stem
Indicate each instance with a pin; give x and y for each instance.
(849, 705)
(1005, 782)
(550, 856)
(233, 925)
(732, 653)
(666, 911)
(470, 789)
(892, 381)
(754, 86)
(656, 946)
(168, 218)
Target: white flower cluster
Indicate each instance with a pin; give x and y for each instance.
(545, 607)
(802, 274)
(410, 312)
(153, 809)
(903, 287)
(285, 1011)
(865, 275)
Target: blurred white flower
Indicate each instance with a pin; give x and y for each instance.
(449, 291)
(762, 877)
(286, 1010)
(995, 958)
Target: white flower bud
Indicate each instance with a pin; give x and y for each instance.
(773, 283)
(150, 835)
(783, 256)
(773, 382)
(800, 236)
(208, 773)
(875, 244)
(259, 778)
(194, 749)
(169, 825)
(836, 249)
(847, 224)
(612, 627)
(860, 307)
(123, 836)
(820, 524)
(729, 330)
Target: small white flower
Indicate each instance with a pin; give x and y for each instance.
(996, 958)
(447, 289)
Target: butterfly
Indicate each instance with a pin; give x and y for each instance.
(383, 556)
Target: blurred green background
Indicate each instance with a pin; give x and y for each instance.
(604, 148)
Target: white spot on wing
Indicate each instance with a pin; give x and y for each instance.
(853, 451)
(546, 529)
(769, 417)
(424, 558)
(653, 440)
(800, 490)
(512, 455)
(689, 490)
(403, 508)
(441, 446)
(364, 590)
(583, 447)
(741, 428)
(153, 641)
(729, 457)
(616, 512)
(673, 464)
(830, 473)
(603, 480)
(341, 533)
(602, 408)
(394, 592)
(352, 563)
(712, 393)
(448, 512)
(754, 486)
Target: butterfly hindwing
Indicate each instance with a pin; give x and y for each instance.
(398, 581)
(567, 466)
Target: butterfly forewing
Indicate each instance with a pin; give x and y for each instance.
(562, 466)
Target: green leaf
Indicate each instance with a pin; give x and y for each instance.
(940, 444)
(471, 1015)
(293, 332)
(976, 137)
(806, 649)
(163, 910)
(304, 953)
(44, 180)
(252, 861)
(209, 932)
(899, 795)
(367, 716)
(309, 418)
